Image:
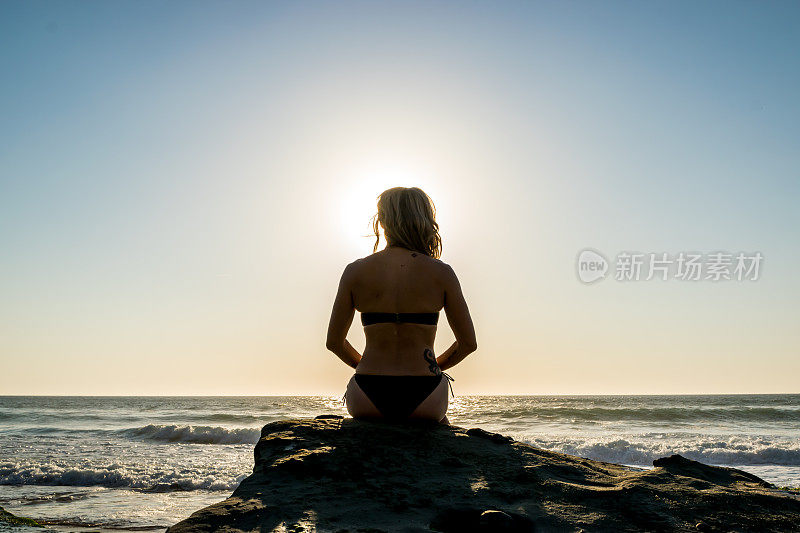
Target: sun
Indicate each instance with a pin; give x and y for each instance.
(359, 197)
(359, 186)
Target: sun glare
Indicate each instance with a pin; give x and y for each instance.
(359, 198)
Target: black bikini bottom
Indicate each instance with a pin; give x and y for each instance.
(396, 397)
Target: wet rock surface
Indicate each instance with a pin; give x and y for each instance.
(334, 474)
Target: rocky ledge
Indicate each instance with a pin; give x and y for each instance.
(8, 520)
(334, 474)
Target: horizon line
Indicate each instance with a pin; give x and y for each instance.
(334, 395)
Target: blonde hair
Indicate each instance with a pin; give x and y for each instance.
(408, 217)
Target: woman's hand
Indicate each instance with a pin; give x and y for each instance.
(347, 353)
(451, 357)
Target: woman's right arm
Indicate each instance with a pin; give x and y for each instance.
(341, 318)
(455, 307)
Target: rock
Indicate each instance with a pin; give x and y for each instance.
(452, 462)
(469, 520)
(496, 521)
(494, 437)
(340, 474)
(679, 465)
(11, 520)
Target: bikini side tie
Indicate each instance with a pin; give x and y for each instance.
(450, 380)
(433, 366)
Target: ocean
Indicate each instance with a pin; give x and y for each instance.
(141, 463)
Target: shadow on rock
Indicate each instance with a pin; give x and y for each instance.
(335, 474)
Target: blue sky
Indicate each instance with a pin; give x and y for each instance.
(181, 184)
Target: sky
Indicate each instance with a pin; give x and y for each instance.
(182, 184)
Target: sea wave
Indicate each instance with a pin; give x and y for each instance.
(113, 476)
(111, 416)
(173, 433)
(779, 410)
(650, 414)
(731, 451)
(226, 417)
(193, 434)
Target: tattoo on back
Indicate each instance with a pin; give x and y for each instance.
(433, 366)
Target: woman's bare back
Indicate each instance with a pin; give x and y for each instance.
(397, 280)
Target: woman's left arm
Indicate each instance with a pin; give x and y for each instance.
(341, 318)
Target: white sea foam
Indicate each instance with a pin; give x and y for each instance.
(642, 450)
(114, 476)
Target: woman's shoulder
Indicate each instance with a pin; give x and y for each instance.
(375, 260)
(438, 265)
(358, 265)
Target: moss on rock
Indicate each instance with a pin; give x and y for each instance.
(14, 520)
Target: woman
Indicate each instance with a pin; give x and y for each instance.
(399, 292)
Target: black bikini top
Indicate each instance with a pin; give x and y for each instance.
(410, 318)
